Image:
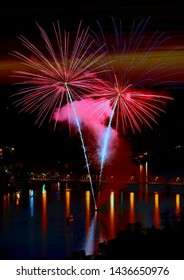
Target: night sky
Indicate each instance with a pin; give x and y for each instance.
(19, 129)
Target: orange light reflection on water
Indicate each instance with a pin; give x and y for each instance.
(132, 208)
(17, 200)
(44, 211)
(67, 200)
(156, 210)
(112, 215)
(178, 207)
(87, 210)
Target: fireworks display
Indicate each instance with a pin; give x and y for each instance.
(122, 77)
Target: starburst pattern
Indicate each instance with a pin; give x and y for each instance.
(47, 78)
(136, 69)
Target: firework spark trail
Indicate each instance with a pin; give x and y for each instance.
(83, 146)
(105, 144)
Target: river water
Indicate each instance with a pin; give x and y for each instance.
(33, 223)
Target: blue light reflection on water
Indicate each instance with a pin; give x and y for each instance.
(33, 224)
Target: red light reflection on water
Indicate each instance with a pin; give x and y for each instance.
(6, 202)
